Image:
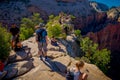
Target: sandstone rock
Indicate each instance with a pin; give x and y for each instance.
(42, 75)
(94, 73)
(21, 9)
(18, 56)
(12, 72)
(91, 22)
(38, 63)
(55, 54)
(53, 69)
(72, 47)
(62, 63)
(18, 68)
(108, 37)
(41, 72)
(114, 13)
(99, 7)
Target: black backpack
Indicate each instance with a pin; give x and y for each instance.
(40, 36)
(69, 75)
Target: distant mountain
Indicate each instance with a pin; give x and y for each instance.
(99, 6)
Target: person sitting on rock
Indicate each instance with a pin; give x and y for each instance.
(2, 72)
(15, 36)
(77, 74)
(54, 42)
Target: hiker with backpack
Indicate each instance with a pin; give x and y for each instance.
(75, 73)
(15, 36)
(42, 40)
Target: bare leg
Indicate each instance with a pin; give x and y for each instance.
(45, 50)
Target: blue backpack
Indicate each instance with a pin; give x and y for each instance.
(40, 35)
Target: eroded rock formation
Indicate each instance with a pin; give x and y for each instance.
(30, 67)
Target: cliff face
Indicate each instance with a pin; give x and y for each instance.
(109, 37)
(26, 65)
(99, 7)
(114, 14)
(13, 11)
(93, 22)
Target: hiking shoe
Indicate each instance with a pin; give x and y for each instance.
(46, 58)
(41, 58)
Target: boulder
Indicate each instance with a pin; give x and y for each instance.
(62, 63)
(17, 56)
(18, 68)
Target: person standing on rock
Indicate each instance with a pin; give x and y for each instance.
(42, 40)
(15, 35)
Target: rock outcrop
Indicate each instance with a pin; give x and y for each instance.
(13, 11)
(91, 23)
(114, 14)
(109, 37)
(30, 67)
(99, 7)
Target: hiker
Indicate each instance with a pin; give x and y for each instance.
(54, 42)
(2, 72)
(42, 40)
(15, 36)
(75, 73)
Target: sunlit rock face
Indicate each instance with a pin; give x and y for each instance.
(13, 11)
(108, 37)
(99, 7)
(114, 14)
(91, 23)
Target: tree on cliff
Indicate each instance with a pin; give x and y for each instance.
(53, 26)
(4, 43)
(92, 53)
(27, 26)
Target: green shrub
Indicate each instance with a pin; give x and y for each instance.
(63, 36)
(26, 33)
(27, 26)
(54, 30)
(53, 26)
(99, 57)
(4, 43)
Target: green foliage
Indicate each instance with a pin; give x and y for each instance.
(101, 58)
(4, 43)
(54, 30)
(53, 26)
(77, 33)
(26, 33)
(63, 36)
(36, 19)
(91, 53)
(27, 26)
(26, 22)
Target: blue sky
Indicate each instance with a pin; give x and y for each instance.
(109, 3)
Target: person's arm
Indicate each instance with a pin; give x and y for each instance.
(46, 37)
(36, 36)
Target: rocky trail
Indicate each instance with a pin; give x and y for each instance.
(26, 65)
